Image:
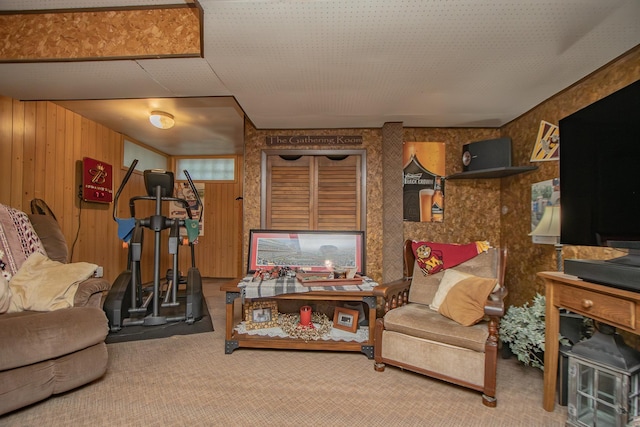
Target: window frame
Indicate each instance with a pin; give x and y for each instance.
(174, 164)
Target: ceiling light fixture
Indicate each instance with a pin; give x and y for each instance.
(162, 120)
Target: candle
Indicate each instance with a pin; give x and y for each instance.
(305, 315)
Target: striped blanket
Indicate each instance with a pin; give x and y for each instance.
(289, 285)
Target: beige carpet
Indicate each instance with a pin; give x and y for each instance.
(188, 380)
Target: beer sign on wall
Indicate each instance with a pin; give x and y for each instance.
(423, 181)
(97, 181)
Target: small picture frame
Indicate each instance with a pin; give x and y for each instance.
(345, 319)
(261, 314)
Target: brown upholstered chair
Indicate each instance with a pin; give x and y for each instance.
(413, 336)
(43, 353)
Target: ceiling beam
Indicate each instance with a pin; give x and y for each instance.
(92, 34)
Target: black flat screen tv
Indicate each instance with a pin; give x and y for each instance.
(600, 173)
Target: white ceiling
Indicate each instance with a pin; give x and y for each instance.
(316, 64)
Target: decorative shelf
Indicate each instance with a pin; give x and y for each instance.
(492, 173)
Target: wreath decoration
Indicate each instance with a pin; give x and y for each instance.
(290, 324)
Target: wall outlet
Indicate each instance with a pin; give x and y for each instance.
(99, 272)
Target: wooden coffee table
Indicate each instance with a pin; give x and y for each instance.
(234, 339)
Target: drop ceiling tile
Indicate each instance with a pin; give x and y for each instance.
(185, 77)
(78, 80)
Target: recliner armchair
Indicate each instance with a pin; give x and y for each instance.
(43, 353)
(413, 336)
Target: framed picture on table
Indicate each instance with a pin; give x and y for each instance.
(261, 314)
(345, 319)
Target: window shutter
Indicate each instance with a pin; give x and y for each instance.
(338, 193)
(313, 192)
(289, 193)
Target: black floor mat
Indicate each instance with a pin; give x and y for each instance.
(138, 332)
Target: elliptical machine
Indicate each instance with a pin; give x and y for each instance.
(128, 303)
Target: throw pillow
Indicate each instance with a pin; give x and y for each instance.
(450, 278)
(465, 301)
(45, 285)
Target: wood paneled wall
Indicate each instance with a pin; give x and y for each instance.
(41, 150)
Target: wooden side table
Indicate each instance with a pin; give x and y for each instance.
(613, 306)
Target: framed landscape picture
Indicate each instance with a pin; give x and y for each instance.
(308, 250)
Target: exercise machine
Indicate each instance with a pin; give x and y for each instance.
(130, 303)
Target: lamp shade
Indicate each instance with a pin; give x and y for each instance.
(549, 225)
(162, 120)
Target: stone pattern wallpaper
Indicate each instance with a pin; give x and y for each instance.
(255, 143)
(526, 258)
(471, 207)
(393, 236)
(116, 33)
(497, 210)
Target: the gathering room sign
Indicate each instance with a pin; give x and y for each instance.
(314, 140)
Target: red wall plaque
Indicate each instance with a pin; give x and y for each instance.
(97, 182)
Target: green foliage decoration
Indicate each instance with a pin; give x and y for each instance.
(522, 328)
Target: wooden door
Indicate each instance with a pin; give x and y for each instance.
(218, 253)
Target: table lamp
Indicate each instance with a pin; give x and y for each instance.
(548, 231)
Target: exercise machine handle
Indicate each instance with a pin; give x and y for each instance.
(195, 192)
(122, 184)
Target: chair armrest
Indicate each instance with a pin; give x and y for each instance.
(90, 292)
(495, 303)
(394, 294)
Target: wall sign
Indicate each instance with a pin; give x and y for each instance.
(547, 146)
(97, 181)
(313, 139)
(423, 181)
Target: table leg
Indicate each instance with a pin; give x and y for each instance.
(552, 329)
(230, 298)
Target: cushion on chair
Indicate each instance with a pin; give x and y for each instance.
(420, 321)
(37, 336)
(51, 236)
(464, 303)
(423, 288)
(450, 278)
(452, 362)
